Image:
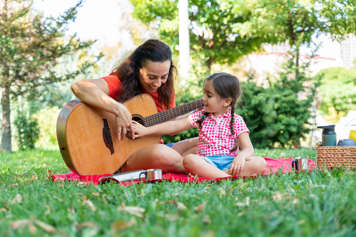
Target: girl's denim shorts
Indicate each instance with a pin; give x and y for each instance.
(222, 162)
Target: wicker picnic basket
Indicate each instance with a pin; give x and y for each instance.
(336, 156)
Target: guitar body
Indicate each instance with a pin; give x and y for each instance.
(87, 136)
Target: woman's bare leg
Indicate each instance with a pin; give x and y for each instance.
(197, 165)
(187, 146)
(192, 150)
(157, 156)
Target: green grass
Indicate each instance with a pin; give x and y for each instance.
(321, 203)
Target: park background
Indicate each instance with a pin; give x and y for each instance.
(296, 61)
(308, 54)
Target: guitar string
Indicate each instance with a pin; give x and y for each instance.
(171, 113)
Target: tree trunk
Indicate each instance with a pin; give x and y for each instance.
(297, 54)
(6, 119)
(209, 63)
(184, 54)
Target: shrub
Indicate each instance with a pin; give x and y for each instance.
(47, 119)
(27, 131)
(182, 98)
(337, 93)
(278, 116)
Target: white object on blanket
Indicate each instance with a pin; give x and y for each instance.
(142, 175)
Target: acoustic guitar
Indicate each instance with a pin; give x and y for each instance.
(88, 141)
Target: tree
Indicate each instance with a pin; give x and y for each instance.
(30, 49)
(278, 115)
(337, 95)
(298, 22)
(221, 31)
(338, 17)
(213, 38)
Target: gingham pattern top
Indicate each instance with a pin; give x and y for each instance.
(215, 137)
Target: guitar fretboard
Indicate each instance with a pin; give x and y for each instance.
(172, 113)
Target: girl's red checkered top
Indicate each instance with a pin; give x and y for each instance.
(215, 137)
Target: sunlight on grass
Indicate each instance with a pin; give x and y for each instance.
(319, 203)
(286, 153)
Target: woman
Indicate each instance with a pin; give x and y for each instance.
(149, 69)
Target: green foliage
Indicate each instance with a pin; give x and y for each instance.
(31, 47)
(221, 31)
(188, 92)
(279, 114)
(317, 203)
(338, 17)
(297, 22)
(292, 21)
(27, 131)
(47, 117)
(183, 98)
(56, 96)
(337, 93)
(213, 37)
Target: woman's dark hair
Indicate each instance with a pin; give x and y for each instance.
(128, 71)
(226, 86)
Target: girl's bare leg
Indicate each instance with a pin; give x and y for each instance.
(254, 165)
(197, 165)
(157, 156)
(187, 146)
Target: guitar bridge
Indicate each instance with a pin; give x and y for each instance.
(107, 137)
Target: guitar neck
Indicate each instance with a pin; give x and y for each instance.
(172, 113)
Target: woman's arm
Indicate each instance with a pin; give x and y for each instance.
(170, 127)
(95, 93)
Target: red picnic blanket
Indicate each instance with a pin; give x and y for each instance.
(273, 166)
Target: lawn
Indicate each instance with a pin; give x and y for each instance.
(320, 203)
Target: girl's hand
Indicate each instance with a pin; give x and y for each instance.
(138, 130)
(123, 121)
(237, 166)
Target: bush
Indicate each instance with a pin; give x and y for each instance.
(27, 131)
(278, 116)
(47, 119)
(182, 98)
(337, 94)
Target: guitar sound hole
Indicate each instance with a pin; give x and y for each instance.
(137, 118)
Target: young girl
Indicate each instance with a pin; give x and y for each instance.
(222, 133)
